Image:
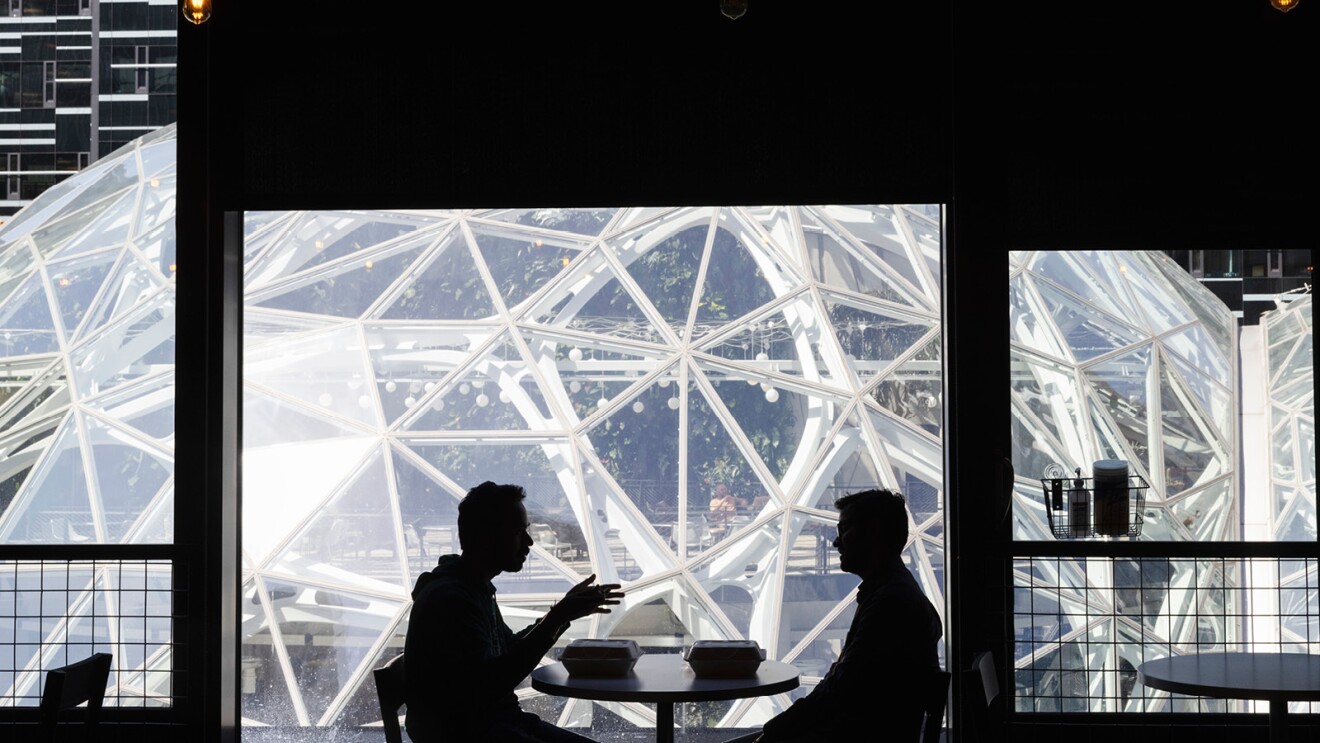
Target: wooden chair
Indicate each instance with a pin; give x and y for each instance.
(69, 687)
(983, 711)
(389, 691)
(935, 698)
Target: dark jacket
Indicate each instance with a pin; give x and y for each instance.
(873, 687)
(463, 660)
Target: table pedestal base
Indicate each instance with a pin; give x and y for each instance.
(664, 722)
(1278, 721)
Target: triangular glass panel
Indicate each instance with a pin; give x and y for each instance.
(429, 512)
(837, 262)
(638, 445)
(1027, 324)
(339, 384)
(51, 236)
(356, 533)
(787, 340)
(320, 238)
(1298, 523)
(871, 338)
(445, 286)
(1035, 452)
(285, 485)
(158, 204)
(591, 369)
(26, 325)
(157, 156)
(131, 284)
(262, 328)
(666, 269)
(1109, 442)
(744, 574)
(1189, 458)
(1049, 391)
(265, 700)
(877, 227)
(1210, 514)
(147, 407)
(408, 361)
(42, 392)
(1306, 450)
(137, 345)
(1214, 398)
(1300, 364)
(538, 574)
(1281, 347)
(631, 549)
(734, 285)
(143, 609)
(577, 221)
(497, 392)
(16, 264)
(160, 247)
(1119, 384)
(775, 420)
(1196, 348)
(632, 217)
(156, 526)
(814, 586)
(914, 390)
(129, 473)
(53, 507)
(1163, 309)
(521, 264)
(666, 614)
(721, 483)
(777, 224)
(1086, 331)
(1214, 315)
(591, 298)
(76, 283)
(1070, 270)
(324, 629)
(345, 289)
(269, 421)
(917, 461)
(257, 227)
(847, 466)
(109, 230)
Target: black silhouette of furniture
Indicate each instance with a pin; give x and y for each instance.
(663, 680)
(984, 715)
(69, 687)
(389, 692)
(1277, 677)
(935, 698)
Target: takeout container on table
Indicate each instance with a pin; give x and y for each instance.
(724, 658)
(600, 657)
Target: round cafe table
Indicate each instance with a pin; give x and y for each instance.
(1277, 677)
(664, 680)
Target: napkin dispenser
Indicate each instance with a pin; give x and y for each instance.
(724, 658)
(600, 657)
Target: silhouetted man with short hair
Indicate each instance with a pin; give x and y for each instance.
(871, 691)
(463, 661)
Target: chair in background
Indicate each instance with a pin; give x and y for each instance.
(69, 687)
(389, 691)
(544, 536)
(987, 676)
(935, 698)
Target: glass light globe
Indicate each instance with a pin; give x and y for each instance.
(390, 386)
(482, 400)
(763, 356)
(765, 387)
(672, 403)
(664, 383)
(772, 395)
(575, 353)
(504, 396)
(753, 382)
(575, 386)
(325, 399)
(364, 401)
(638, 407)
(429, 386)
(438, 405)
(409, 401)
(602, 402)
(464, 388)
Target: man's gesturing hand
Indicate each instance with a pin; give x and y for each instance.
(584, 599)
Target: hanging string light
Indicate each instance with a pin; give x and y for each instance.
(197, 11)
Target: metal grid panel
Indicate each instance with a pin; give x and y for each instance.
(55, 612)
(1083, 625)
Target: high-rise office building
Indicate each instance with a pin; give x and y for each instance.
(1249, 281)
(79, 79)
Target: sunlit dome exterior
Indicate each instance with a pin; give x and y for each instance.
(87, 413)
(621, 364)
(1120, 355)
(1288, 334)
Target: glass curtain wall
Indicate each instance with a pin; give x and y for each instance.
(624, 366)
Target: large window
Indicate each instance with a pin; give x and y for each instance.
(1123, 355)
(623, 365)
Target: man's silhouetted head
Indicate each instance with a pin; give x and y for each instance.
(873, 527)
(492, 527)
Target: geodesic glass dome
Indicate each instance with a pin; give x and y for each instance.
(623, 365)
(87, 420)
(1290, 389)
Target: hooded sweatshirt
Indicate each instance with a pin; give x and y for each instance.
(463, 660)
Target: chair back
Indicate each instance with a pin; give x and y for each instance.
(389, 691)
(70, 686)
(983, 663)
(934, 698)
